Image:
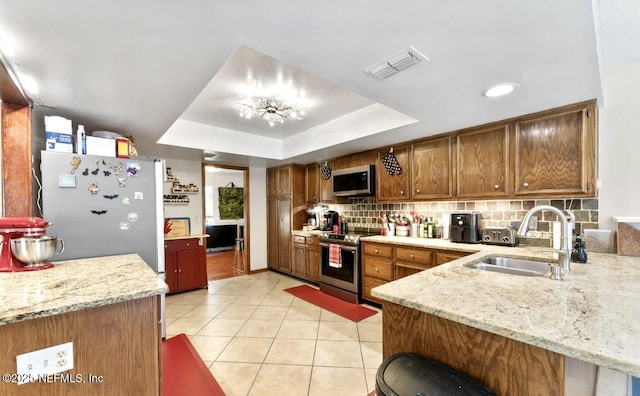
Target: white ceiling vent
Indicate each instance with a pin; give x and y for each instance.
(395, 63)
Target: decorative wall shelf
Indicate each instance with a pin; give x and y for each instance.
(176, 199)
(190, 188)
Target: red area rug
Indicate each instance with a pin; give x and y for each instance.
(184, 372)
(340, 307)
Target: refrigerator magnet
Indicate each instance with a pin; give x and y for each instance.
(133, 168)
(122, 181)
(124, 225)
(132, 217)
(85, 172)
(125, 201)
(94, 188)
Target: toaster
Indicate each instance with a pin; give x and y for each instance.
(499, 236)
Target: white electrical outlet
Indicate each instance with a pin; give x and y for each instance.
(43, 362)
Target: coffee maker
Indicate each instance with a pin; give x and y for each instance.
(464, 228)
(19, 227)
(331, 218)
(316, 216)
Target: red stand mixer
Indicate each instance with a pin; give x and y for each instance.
(19, 227)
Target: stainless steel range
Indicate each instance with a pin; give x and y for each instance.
(340, 268)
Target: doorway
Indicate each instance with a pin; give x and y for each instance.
(226, 219)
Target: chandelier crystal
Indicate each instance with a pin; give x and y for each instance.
(273, 110)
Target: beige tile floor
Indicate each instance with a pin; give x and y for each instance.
(259, 340)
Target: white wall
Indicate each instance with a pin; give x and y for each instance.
(186, 172)
(619, 143)
(258, 217)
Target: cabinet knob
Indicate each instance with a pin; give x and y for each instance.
(417, 191)
(376, 251)
(377, 270)
(187, 245)
(412, 256)
(401, 192)
(526, 184)
(497, 187)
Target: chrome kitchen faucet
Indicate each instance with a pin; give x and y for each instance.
(564, 253)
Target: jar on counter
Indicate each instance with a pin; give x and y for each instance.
(402, 231)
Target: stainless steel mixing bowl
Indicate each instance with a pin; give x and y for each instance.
(36, 250)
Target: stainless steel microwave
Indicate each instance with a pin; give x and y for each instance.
(360, 180)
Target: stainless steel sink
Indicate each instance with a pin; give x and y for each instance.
(507, 265)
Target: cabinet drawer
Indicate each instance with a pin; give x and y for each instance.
(445, 257)
(378, 268)
(420, 257)
(402, 270)
(313, 241)
(299, 239)
(376, 249)
(181, 244)
(368, 284)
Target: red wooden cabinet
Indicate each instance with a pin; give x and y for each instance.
(185, 264)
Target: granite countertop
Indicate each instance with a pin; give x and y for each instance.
(74, 285)
(592, 315)
(306, 233)
(175, 237)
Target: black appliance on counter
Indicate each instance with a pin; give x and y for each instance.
(464, 228)
(330, 218)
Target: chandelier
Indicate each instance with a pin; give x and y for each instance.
(272, 110)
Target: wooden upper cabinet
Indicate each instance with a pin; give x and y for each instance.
(393, 187)
(272, 182)
(431, 169)
(17, 180)
(555, 152)
(482, 163)
(284, 180)
(326, 186)
(312, 177)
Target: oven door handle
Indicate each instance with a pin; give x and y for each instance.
(343, 247)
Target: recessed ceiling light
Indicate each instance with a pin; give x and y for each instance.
(500, 90)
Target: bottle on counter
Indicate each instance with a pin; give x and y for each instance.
(431, 228)
(579, 253)
(81, 140)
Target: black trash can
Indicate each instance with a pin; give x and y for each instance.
(410, 374)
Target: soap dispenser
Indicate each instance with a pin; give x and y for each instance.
(579, 254)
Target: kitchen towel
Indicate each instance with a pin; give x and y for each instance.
(335, 256)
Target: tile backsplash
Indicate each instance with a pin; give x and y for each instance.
(365, 212)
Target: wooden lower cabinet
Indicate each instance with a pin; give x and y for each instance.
(507, 366)
(313, 259)
(382, 263)
(185, 264)
(377, 267)
(306, 257)
(120, 342)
